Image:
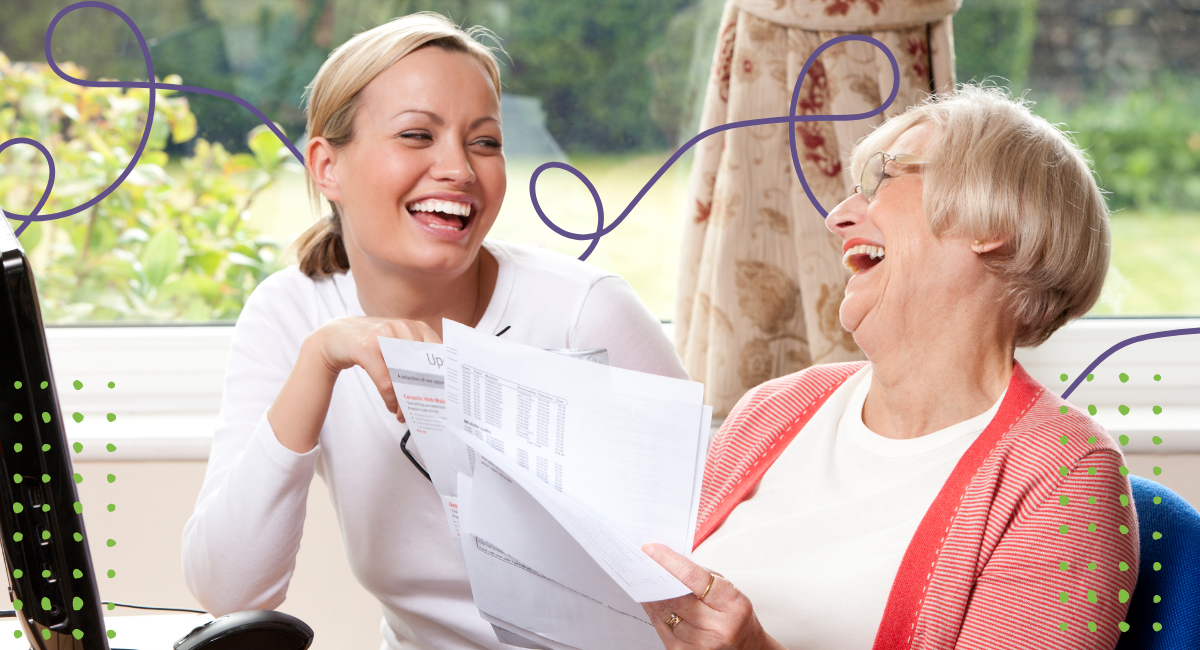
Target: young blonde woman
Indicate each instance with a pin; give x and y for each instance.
(405, 143)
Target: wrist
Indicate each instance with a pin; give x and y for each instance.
(314, 356)
(762, 640)
(299, 410)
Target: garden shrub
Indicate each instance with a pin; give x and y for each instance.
(165, 245)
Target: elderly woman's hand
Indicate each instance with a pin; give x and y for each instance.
(722, 620)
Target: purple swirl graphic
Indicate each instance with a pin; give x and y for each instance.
(792, 118)
(151, 85)
(1123, 344)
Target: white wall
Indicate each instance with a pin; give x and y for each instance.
(155, 498)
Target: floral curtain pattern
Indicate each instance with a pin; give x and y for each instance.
(762, 278)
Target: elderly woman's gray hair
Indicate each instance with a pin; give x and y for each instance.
(997, 171)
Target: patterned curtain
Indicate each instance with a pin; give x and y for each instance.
(762, 278)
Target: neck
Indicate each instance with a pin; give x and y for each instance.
(927, 379)
(388, 292)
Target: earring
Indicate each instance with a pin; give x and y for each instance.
(977, 245)
(976, 242)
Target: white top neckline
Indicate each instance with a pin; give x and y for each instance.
(817, 545)
(497, 305)
(851, 425)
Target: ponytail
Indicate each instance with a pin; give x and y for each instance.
(321, 249)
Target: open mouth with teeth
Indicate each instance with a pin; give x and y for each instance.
(440, 214)
(862, 258)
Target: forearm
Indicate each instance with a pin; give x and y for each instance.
(299, 410)
(239, 547)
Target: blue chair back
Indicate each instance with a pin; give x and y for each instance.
(1168, 584)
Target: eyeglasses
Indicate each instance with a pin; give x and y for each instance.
(872, 173)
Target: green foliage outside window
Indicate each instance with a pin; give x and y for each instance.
(1144, 141)
(586, 61)
(163, 246)
(1144, 144)
(994, 38)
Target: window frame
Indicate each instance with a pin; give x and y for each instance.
(169, 378)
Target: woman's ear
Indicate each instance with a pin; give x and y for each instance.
(321, 158)
(988, 245)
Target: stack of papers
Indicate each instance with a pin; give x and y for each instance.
(554, 472)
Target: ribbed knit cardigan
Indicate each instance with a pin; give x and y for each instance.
(1031, 543)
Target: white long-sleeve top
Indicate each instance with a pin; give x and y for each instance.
(239, 547)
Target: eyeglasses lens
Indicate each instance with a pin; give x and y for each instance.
(872, 174)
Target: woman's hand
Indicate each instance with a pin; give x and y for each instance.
(722, 620)
(343, 343)
(299, 409)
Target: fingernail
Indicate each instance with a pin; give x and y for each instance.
(649, 549)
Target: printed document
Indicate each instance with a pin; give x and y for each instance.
(417, 371)
(556, 471)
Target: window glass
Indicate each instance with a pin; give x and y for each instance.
(610, 86)
(1123, 81)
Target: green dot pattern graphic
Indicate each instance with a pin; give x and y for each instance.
(1122, 596)
(76, 603)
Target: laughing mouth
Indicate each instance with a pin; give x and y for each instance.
(862, 257)
(441, 214)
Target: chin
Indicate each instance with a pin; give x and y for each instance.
(440, 259)
(426, 258)
(850, 317)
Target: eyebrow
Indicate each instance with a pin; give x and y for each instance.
(438, 120)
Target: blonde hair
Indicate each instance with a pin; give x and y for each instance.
(997, 171)
(334, 96)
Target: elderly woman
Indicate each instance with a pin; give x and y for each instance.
(936, 496)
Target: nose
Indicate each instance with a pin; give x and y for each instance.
(847, 214)
(453, 165)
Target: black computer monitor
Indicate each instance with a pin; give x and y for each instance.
(45, 544)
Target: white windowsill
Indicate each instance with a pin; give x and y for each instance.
(168, 383)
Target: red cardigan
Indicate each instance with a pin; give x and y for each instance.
(1031, 543)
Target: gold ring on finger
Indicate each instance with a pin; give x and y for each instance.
(673, 621)
(711, 579)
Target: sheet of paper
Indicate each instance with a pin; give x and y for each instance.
(417, 374)
(520, 637)
(8, 240)
(585, 609)
(701, 457)
(621, 443)
(610, 454)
